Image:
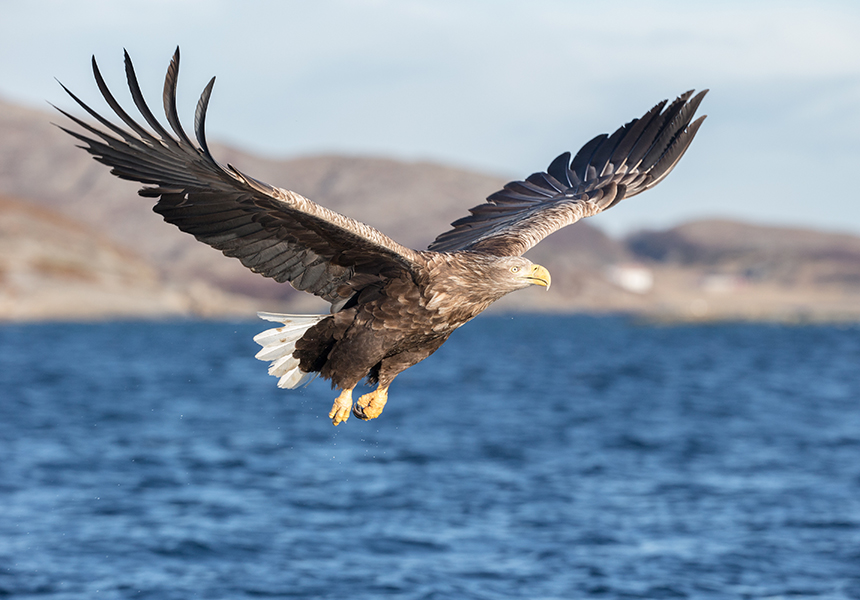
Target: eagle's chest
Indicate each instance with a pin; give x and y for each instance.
(402, 319)
(410, 320)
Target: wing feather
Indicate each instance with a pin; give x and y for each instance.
(606, 170)
(272, 231)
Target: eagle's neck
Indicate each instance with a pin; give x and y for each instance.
(464, 284)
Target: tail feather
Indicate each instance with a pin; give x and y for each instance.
(280, 343)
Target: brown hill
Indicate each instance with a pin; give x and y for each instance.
(726, 268)
(52, 268)
(412, 202)
(788, 257)
(704, 270)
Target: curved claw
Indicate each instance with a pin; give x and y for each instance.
(370, 405)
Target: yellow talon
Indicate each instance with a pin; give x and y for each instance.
(341, 408)
(370, 405)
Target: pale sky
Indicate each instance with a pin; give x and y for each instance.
(496, 86)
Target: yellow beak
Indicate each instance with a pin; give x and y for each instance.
(539, 276)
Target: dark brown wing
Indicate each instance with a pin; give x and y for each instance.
(606, 170)
(274, 232)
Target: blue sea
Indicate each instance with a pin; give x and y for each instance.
(531, 457)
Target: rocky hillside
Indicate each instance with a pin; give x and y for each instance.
(723, 268)
(704, 270)
(411, 201)
(52, 268)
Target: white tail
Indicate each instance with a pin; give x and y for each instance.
(280, 343)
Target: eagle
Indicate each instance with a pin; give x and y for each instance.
(391, 306)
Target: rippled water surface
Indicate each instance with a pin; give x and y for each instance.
(531, 457)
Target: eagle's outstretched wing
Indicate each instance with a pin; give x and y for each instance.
(606, 170)
(274, 232)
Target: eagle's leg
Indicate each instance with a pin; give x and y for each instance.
(341, 407)
(370, 405)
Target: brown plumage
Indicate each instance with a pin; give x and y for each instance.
(391, 306)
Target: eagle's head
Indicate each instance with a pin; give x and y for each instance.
(466, 283)
(516, 272)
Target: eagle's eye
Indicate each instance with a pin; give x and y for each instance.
(515, 269)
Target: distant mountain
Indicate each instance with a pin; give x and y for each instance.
(52, 268)
(703, 270)
(412, 202)
(750, 271)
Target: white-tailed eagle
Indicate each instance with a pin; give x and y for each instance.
(391, 306)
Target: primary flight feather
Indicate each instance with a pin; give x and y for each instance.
(391, 306)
